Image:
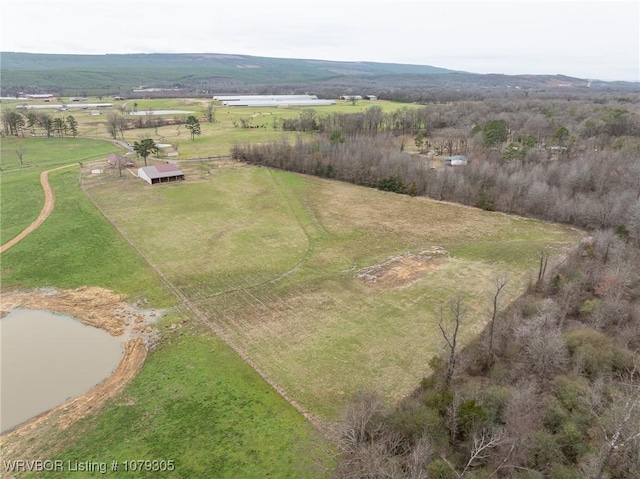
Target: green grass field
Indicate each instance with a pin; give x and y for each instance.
(21, 196)
(76, 247)
(272, 258)
(195, 401)
(199, 405)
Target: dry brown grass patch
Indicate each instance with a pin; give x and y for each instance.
(403, 270)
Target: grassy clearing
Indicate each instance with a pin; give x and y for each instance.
(45, 153)
(198, 404)
(272, 258)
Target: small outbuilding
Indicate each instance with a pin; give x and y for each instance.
(456, 160)
(119, 160)
(160, 173)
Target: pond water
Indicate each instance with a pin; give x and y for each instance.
(47, 358)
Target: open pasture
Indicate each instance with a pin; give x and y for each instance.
(217, 138)
(280, 261)
(197, 404)
(192, 388)
(21, 196)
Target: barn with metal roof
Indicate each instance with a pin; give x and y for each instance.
(163, 173)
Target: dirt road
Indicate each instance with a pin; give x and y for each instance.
(49, 203)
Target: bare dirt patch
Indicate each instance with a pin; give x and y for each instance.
(403, 270)
(97, 307)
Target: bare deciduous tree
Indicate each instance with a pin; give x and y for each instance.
(211, 113)
(450, 335)
(113, 124)
(483, 443)
(499, 283)
(20, 153)
(416, 461)
(542, 269)
(544, 347)
(624, 429)
(358, 424)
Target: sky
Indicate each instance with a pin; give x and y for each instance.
(591, 39)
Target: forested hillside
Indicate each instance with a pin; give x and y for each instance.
(189, 75)
(192, 73)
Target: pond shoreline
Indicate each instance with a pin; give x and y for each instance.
(99, 308)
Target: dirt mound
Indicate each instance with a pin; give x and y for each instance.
(403, 270)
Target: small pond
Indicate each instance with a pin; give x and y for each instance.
(47, 358)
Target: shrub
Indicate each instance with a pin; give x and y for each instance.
(494, 400)
(596, 354)
(439, 469)
(572, 391)
(438, 401)
(560, 471)
(470, 415)
(589, 306)
(572, 442)
(545, 453)
(391, 183)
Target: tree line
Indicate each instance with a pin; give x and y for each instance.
(16, 124)
(574, 164)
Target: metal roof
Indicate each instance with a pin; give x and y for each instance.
(263, 97)
(274, 103)
(165, 170)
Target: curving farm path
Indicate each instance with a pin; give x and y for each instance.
(49, 203)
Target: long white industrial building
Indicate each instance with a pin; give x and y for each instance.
(272, 100)
(263, 97)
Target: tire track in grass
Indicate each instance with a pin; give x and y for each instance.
(320, 425)
(47, 209)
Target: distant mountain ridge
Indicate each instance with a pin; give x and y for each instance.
(204, 73)
(201, 61)
(165, 69)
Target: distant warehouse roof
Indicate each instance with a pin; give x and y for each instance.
(160, 173)
(272, 100)
(263, 97)
(280, 103)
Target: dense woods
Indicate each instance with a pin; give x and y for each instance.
(552, 386)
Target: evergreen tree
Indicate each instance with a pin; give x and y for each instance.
(193, 125)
